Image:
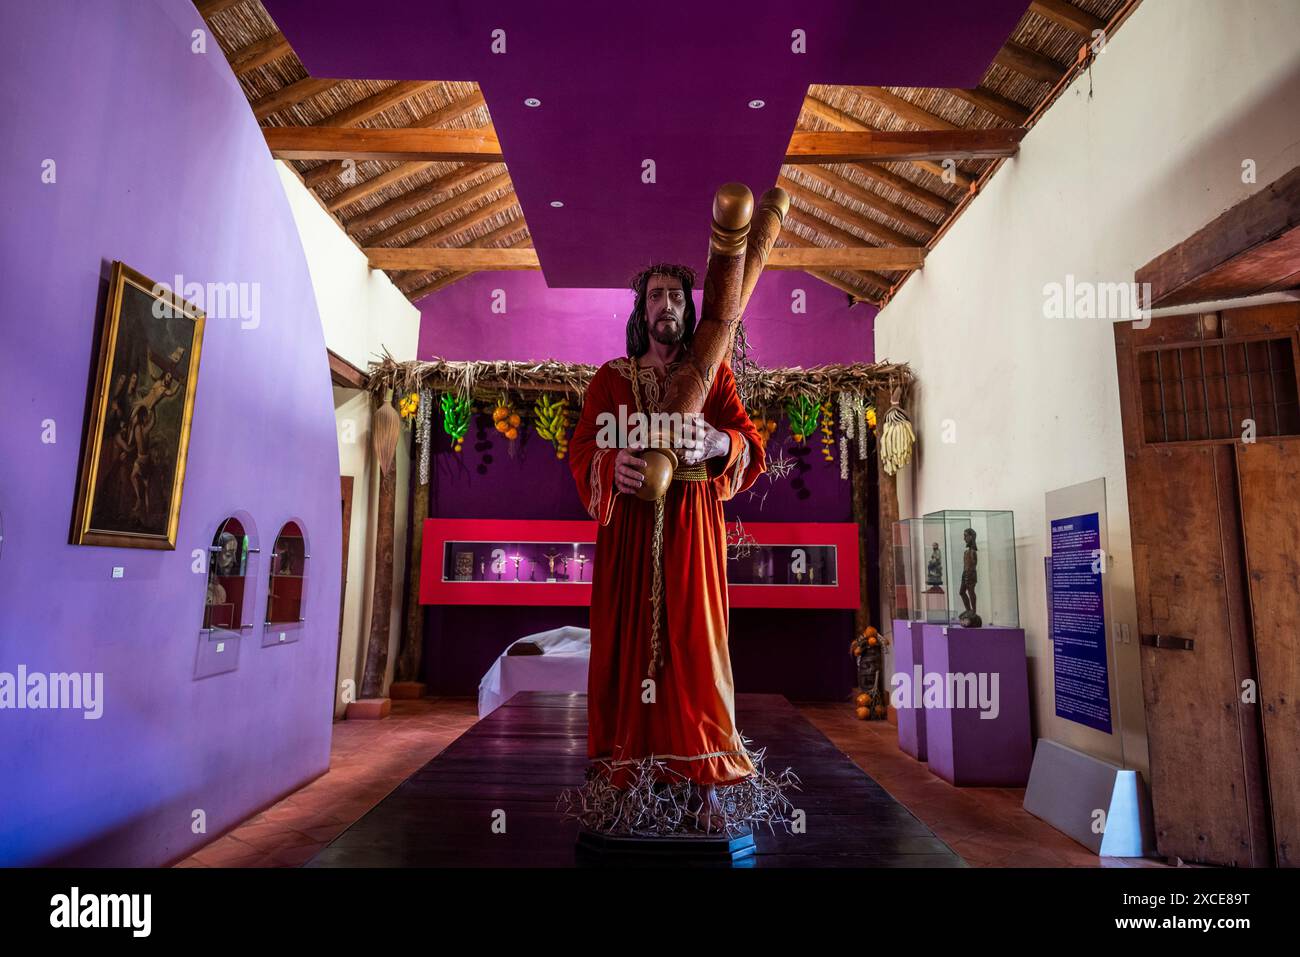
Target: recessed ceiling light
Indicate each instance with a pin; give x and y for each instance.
(532, 101)
(756, 104)
(556, 203)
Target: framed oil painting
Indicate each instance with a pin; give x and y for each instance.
(133, 468)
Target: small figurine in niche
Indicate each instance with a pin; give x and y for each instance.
(550, 561)
(482, 569)
(582, 566)
(934, 570)
(228, 558)
(969, 561)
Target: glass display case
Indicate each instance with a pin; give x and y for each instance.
(966, 568)
(288, 573)
(908, 605)
(228, 560)
(538, 562)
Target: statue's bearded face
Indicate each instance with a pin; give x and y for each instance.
(665, 309)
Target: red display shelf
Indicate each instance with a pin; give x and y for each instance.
(831, 547)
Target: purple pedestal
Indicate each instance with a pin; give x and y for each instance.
(909, 651)
(977, 721)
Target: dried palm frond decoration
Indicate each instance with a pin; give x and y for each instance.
(384, 432)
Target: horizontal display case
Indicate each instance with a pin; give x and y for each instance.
(534, 562)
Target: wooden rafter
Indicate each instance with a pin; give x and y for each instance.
(210, 8)
(904, 109)
(1029, 63)
(446, 279)
(444, 208)
(870, 199)
(993, 103)
(832, 232)
(905, 186)
(869, 278)
(452, 146)
(837, 117)
(288, 96)
(447, 183)
(344, 373)
(469, 220)
(439, 117)
(376, 103)
(830, 207)
(259, 53)
(861, 257)
(460, 259)
(902, 145)
(1068, 15)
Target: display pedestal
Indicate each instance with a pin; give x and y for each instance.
(909, 651)
(717, 849)
(978, 735)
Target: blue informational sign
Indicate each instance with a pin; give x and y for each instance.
(1078, 622)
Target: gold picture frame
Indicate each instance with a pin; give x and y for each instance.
(137, 442)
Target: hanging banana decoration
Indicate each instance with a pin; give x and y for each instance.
(455, 418)
(828, 432)
(896, 437)
(552, 420)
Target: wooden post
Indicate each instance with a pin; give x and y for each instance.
(411, 653)
(864, 517)
(887, 491)
(372, 682)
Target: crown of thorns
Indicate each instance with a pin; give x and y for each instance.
(685, 273)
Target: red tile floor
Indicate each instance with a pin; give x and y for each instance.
(368, 759)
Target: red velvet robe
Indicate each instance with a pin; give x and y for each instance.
(691, 724)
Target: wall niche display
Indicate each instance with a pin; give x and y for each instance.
(284, 594)
(227, 578)
(133, 468)
(966, 567)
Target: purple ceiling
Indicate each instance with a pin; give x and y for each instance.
(621, 83)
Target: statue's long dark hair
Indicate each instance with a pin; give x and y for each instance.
(638, 329)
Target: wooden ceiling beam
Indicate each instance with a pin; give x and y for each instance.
(288, 96)
(841, 236)
(446, 279)
(870, 279)
(901, 146)
(1029, 63)
(448, 146)
(376, 103)
(904, 109)
(838, 117)
(259, 53)
(383, 180)
(439, 117)
(344, 374)
(870, 199)
(1068, 15)
(831, 208)
(1253, 247)
(448, 205)
(430, 190)
(994, 104)
(461, 259)
(498, 235)
(838, 257)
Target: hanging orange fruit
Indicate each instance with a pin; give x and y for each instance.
(863, 699)
(863, 713)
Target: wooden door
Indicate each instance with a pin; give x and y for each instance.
(1211, 426)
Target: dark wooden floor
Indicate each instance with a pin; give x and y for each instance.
(511, 766)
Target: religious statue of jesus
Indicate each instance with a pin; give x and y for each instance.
(659, 684)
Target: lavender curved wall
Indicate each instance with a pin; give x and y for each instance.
(160, 164)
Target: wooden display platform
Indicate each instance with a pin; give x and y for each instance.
(489, 799)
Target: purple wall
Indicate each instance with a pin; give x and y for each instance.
(159, 164)
(797, 652)
(587, 325)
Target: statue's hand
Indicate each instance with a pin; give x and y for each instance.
(629, 471)
(706, 443)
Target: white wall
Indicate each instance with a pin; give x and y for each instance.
(363, 314)
(1128, 162)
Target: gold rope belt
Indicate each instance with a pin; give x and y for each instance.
(691, 473)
